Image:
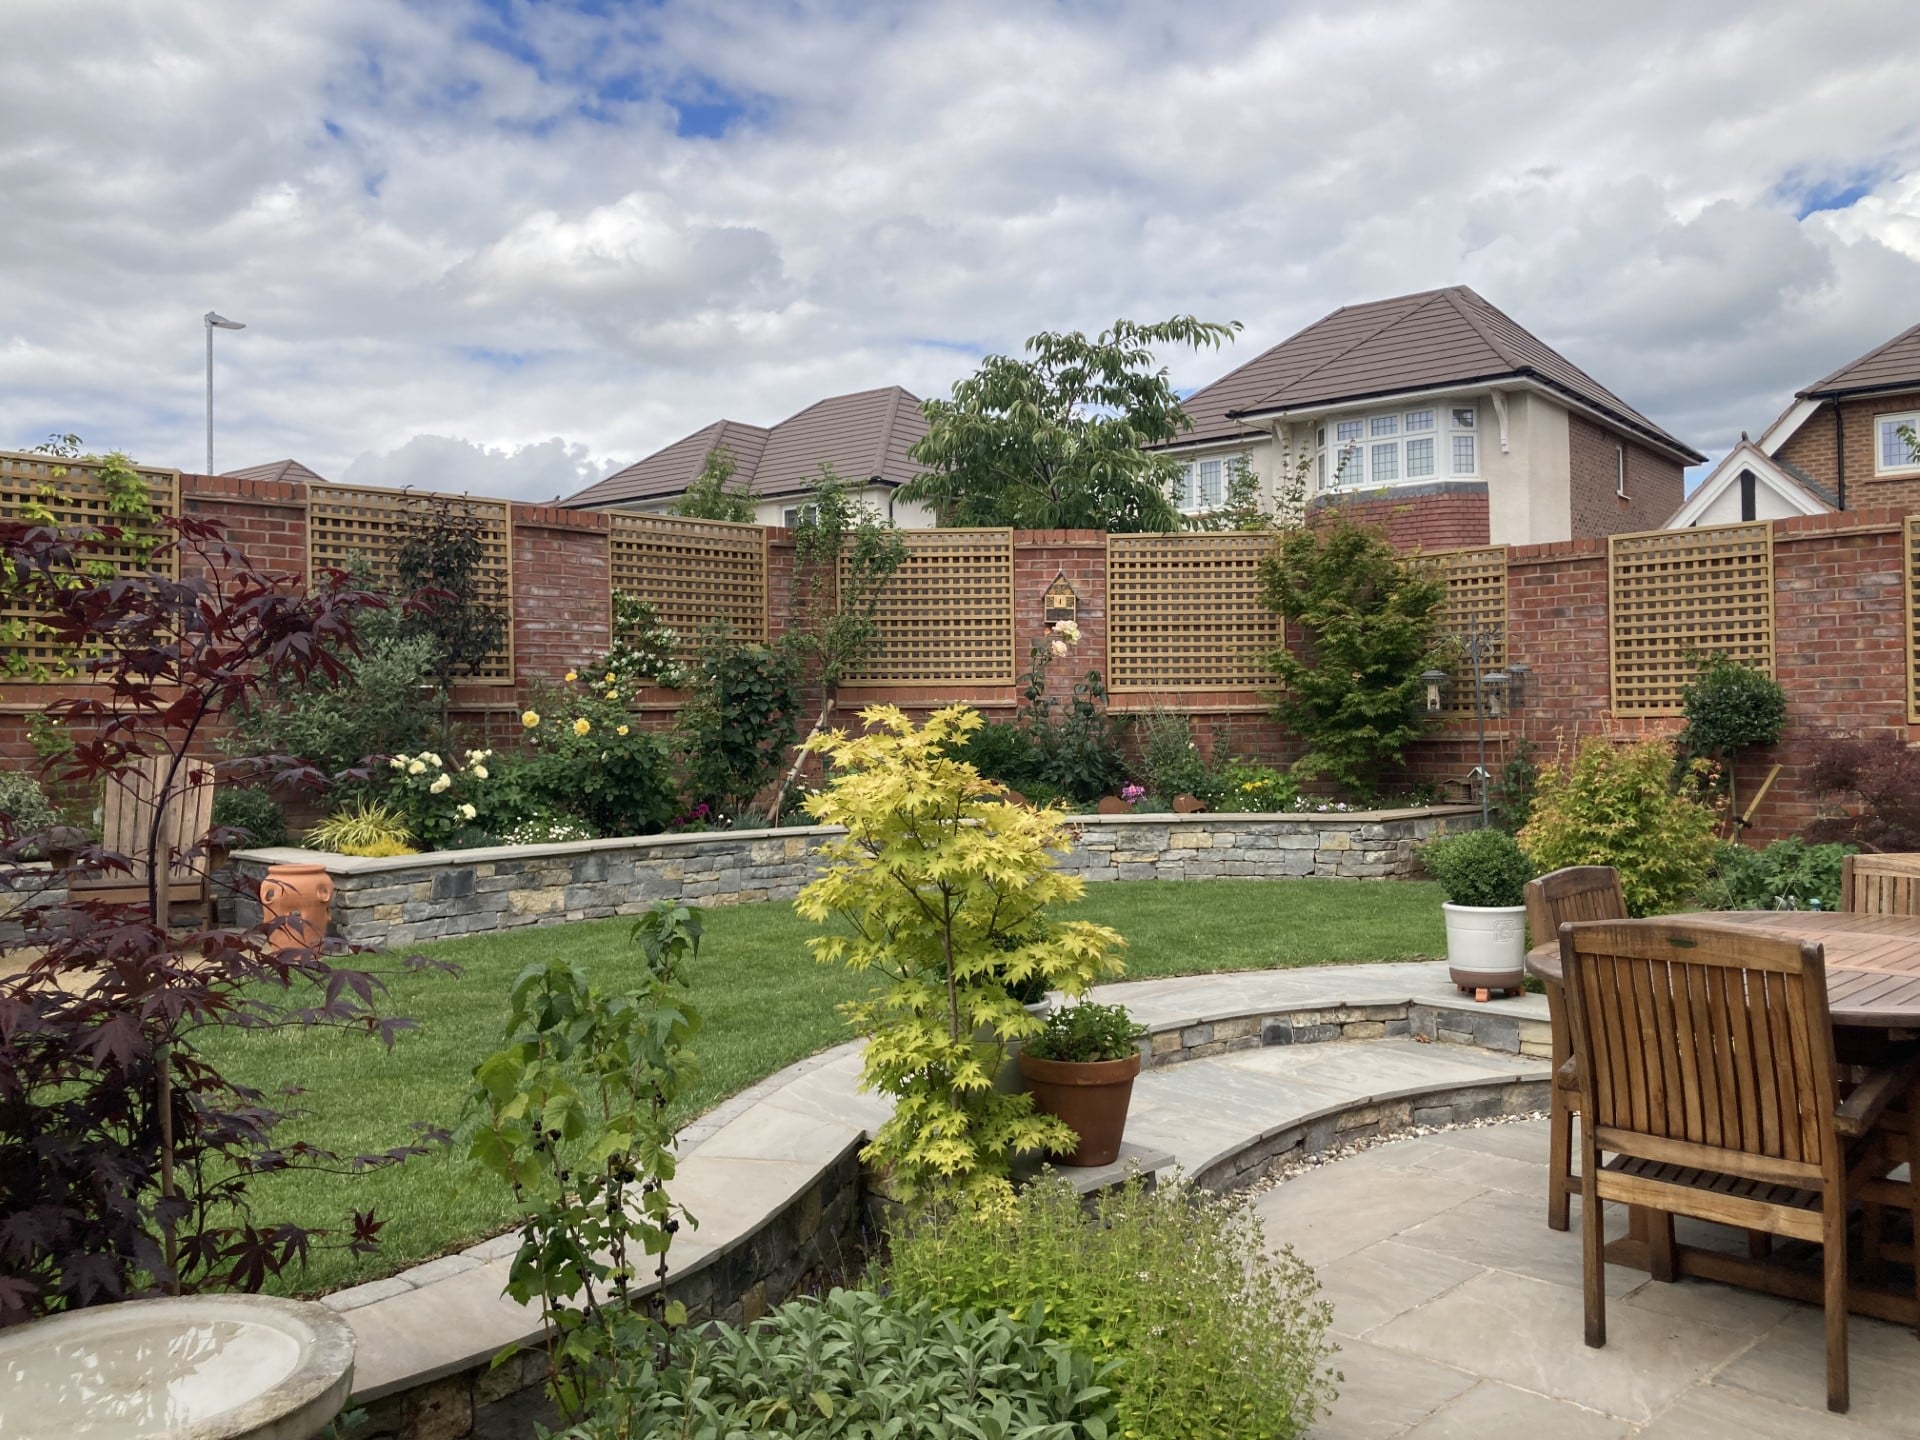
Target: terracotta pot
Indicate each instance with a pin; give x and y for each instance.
(295, 902)
(1091, 1096)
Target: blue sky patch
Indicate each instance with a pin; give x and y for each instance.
(1810, 194)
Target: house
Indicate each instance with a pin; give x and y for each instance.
(863, 437)
(291, 470)
(1838, 446)
(1438, 416)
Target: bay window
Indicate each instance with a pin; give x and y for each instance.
(1201, 485)
(1397, 446)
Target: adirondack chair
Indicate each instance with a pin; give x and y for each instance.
(128, 815)
(1579, 892)
(1707, 1073)
(1880, 884)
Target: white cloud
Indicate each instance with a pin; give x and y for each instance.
(456, 237)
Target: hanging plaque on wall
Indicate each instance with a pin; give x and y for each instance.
(1060, 602)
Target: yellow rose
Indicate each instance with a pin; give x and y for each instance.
(582, 726)
(621, 730)
(613, 694)
(529, 718)
(571, 677)
(611, 677)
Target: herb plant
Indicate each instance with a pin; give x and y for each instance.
(1084, 1033)
(1788, 875)
(944, 890)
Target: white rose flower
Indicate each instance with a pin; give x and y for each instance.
(398, 762)
(414, 767)
(431, 758)
(442, 785)
(479, 772)
(467, 812)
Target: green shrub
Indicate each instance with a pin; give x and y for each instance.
(856, 1364)
(365, 827)
(1788, 875)
(1480, 867)
(1616, 805)
(1247, 785)
(1210, 1335)
(252, 810)
(1004, 751)
(738, 721)
(24, 806)
(588, 758)
(1730, 707)
(1170, 760)
(1086, 1032)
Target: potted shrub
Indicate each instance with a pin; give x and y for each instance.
(1080, 1070)
(1484, 875)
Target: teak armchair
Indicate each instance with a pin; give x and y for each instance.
(127, 820)
(1880, 884)
(1580, 892)
(1707, 1072)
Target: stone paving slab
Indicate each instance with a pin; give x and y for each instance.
(1459, 1315)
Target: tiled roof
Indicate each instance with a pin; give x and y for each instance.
(1426, 341)
(863, 436)
(1807, 483)
(278, 470)
(1892, 366)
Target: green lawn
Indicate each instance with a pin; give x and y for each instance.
(767, 1004)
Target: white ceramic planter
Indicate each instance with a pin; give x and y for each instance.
(1487, 946)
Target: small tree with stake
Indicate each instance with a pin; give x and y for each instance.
(125, 1155)
(440, 563)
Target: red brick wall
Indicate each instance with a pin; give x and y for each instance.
(562, 590)
(1655, 484)
(1813, 447)
(1450, 519)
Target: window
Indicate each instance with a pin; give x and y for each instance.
(1397, 446)
(1893, 453)
(795, 515)
(1202, 485)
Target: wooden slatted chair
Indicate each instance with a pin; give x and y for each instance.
(1707, 1073)
(1880, 884)
(1580, 892)
(126, 822)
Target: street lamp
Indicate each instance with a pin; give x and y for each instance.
(213, 320)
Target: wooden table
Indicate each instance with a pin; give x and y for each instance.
(1873, 961)
(1873, 983)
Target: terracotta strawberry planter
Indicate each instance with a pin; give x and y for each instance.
(295, 903)
(1090, 1096)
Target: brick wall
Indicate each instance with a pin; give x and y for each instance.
(1446, 516)
(1655, 484)
(1816, 450)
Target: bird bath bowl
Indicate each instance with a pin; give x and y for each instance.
(196, 1367)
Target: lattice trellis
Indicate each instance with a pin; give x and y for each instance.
(1677, 596)
(694, 573)
(345, 523)
(73, 492)
(1913, 619)
(1476, 602)
(946, 616)
(1184, 612)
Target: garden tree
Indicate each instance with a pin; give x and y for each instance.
(739, 718)
(1057, 439)
(1730, 707)
(713, 495)
(126, 1156)
(440, 566)
(1245, 508)
(1367, 624)
(843, 556)
(944, 889)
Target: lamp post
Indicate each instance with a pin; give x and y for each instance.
(213, 321)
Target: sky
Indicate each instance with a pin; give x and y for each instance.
(508, 247)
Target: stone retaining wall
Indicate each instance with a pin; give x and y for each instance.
(413, 898)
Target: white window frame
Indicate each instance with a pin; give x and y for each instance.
(1186, 486)
(1895, 418)
(790, 517)
(1393, 427)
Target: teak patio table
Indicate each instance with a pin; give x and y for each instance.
(1873, 984)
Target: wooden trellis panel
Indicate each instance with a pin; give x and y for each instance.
(1677, 596)
(73, 492)
(946, 616)
(1184, 612)
(1476, 602)
(694, 573)
(345, 522)
(1913, 619)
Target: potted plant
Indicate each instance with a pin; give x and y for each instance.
(1080, 1070)
(1484, 875)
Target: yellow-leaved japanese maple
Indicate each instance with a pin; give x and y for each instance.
(944, 887)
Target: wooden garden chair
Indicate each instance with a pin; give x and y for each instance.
(126, 819)
(1580, 892)
(1880, 884)
(1707, 1073)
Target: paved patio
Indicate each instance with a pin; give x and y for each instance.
(1458, 1315)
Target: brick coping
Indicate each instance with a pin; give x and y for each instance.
(769, 1156)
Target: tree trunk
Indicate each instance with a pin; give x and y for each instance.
(799, 759)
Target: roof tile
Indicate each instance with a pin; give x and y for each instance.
(1892, 366)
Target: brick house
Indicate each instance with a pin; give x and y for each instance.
(1838, 446)
(864, 437)
(1438, 416)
